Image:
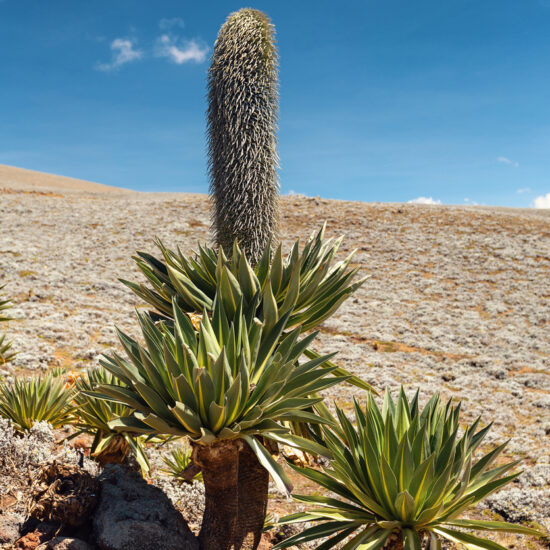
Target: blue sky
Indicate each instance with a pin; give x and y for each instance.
(386, 100)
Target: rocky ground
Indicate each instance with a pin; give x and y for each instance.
(458, 302)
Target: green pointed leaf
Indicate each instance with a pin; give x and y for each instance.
(270, 464)
(405, 508)
(270, 310)
(495, 526)
(318, 531)
(216, 416)
(160, 426)
(332, 542)
(187, 417)
(152, 398)
(130, 424)
(469, 541)
(411, 540)
(373, 540)
(301, 443)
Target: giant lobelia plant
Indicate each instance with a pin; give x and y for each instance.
(242, 140)
(92, 415)
(401, 478)
(304, 287)
(25, 401)
(229, 386)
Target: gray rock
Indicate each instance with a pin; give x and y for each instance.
(9, 528)
(133, 515)
(65, 543)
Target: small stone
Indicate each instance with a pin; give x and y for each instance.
(65, 543)
(9, 529)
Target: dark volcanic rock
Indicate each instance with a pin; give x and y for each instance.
(65, 543)
(133, 515)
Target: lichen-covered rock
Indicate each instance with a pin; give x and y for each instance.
(133, 515)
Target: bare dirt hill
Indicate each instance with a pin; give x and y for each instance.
(21, 179)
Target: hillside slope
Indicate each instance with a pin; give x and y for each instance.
(458, 301)
(21, 179)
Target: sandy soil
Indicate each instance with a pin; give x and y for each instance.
(458, 301)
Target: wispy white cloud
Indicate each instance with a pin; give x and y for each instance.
(296, 194)
(170, 22)
(169, 45)
(123, 51)
(506, 160)
(471, 202)
(542, 202)
(424, 200)
(180, 51)
(524, 190)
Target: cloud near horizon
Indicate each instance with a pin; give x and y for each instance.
(424, 200)
(542, 202)
(123, 51)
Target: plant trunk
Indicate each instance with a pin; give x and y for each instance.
(253, 489)
(219, 463)
(115, 453)
(394, 543)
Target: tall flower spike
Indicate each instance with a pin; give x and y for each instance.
(242, 125)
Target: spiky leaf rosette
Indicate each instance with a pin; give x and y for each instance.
(234, 377)
(92, 416)
(177, 463)
(4, 305)
(26, 401)
(405, 471)
(306, 284)
(242, 141)
(5, 346)
(5, 354)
